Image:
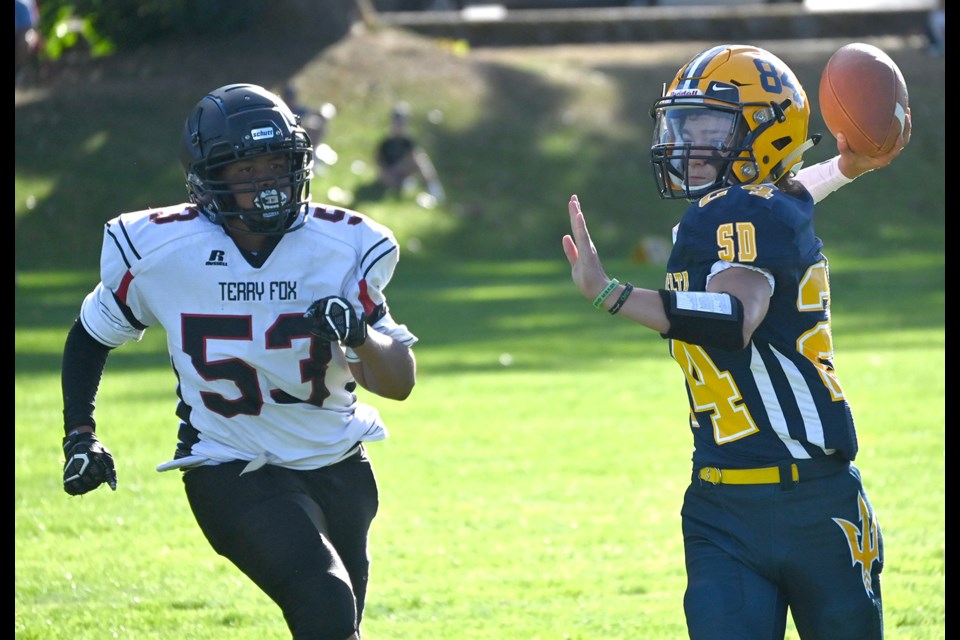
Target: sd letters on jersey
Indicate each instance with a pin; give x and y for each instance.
(231, 321)
(779, 397)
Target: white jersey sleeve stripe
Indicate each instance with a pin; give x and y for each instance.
(367, 265)
(123, 242)
(103, 319)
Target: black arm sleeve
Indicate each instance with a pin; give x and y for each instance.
(705, 326)
(83, 361)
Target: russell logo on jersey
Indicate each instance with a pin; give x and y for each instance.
(218, 258)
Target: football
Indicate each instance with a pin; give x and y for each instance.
(863, 94)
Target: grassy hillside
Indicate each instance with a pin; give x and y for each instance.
(512, 131)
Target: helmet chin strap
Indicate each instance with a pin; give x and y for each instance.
(781, 168)
(693, 193)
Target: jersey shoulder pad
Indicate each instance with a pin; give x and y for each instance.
(776, 226)
(352, 227)
(150, 230)
(373, 244)
(130, 238)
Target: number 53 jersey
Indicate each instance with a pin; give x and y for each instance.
(779, 397)
(252, 381)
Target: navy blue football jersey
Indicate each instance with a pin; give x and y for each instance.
(779, 397)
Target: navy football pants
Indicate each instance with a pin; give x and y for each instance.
(301, 536)
(753, 551)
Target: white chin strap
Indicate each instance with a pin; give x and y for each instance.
(680, 185)
(799, 151)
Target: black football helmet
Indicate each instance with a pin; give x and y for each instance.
(239, 122)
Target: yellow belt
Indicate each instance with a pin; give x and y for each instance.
(766, 475)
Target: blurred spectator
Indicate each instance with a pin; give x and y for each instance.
(315, 122)
(935, 30)
(402, 163)
(26, 39)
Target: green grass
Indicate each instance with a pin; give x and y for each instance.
(532, 483)
(536, 499)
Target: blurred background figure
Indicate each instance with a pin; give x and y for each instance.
(402, 164)
(315, 121)
(936, 23)
(26, 39)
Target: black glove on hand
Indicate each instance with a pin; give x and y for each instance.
(88, 464)
(334, 319)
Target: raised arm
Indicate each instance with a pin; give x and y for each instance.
(824, 178)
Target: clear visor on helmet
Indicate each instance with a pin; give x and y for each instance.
(693, 146)
(708, 132)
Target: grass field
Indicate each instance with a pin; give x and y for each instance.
(531, 486)
(535, 499)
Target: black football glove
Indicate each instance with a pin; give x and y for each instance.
(88, 464)
(334, 319)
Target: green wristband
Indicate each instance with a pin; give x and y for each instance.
(603, 294)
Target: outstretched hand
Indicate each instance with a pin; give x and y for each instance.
(853, 165)
(585, 266)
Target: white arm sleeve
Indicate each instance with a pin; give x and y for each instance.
(823, 178)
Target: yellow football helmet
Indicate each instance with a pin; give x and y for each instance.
(739, 109)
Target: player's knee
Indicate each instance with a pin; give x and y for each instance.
(860, 621)
(322, 608)
(707, 604)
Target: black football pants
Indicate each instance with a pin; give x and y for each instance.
(301, 536)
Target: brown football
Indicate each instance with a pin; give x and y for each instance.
(863, 94)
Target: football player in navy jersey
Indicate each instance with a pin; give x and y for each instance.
(274, 310)
(776, 517)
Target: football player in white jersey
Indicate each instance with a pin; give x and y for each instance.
(274, 310)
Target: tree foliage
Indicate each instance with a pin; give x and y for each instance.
(128, 23)
(104, 26)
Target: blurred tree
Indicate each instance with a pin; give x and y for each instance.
(108, 25)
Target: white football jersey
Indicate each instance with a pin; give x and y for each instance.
(253, 383)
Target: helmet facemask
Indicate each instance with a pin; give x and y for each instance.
(279, 201)
(696, 148)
